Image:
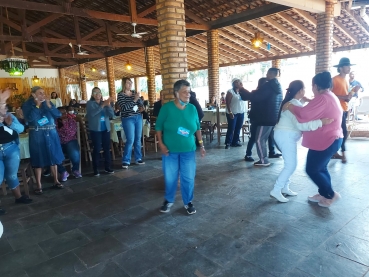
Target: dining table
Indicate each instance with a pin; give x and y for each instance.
(24, 146)
(211, 115)
(116, 126)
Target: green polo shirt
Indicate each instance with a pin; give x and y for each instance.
(178, 127)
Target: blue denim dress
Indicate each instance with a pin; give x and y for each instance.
(44, 142)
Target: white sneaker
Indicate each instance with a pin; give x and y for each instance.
(316, 198)
(288, 192)
(278, 195)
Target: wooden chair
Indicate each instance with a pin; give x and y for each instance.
(152, 138)
(207, 129)
(246, 130)
(26, 177)
(85, 141)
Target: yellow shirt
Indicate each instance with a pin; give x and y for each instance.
(340, 88)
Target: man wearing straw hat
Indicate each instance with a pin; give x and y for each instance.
(341, 90)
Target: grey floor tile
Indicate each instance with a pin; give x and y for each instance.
(30, 237)
(272, 219)
(39, 219)
(298, 273)
(154, 273)
(272, 258)
(75, 208)
(141, 259)
(66, 265)
(69, 223)
(349, 247)
(242, 268)
(99, 251)
(11, 227)
(356, 227)
(64, 243)
(5, 247)
(134, 235)
(222, 249)
(100, 228)
(14, 262)
(324, 263)
(190, 263)
(104, 269)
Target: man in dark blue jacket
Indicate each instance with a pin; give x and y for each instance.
(266, 102)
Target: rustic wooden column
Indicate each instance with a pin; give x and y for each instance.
(276, 63)
(324, 38)
(82, 81)
(96, 84)
(63, 87)
(137, 83)
(172, 42)
(213, 64)
(111, 77)
(150, 72)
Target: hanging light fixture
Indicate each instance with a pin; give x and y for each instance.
(93, 69)
(128, 66)
(257, 41)
(34, 78)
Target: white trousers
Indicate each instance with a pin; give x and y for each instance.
(1, 229)
(286, 142)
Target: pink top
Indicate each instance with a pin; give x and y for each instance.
(324, 105)
(68, 132)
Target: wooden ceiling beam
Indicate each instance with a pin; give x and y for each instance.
(77, 32)
(132, 10)
(297, 25)
(147, 10)
(274, 35)
(203, 45)
(94, 33)
(70, 56)
(357, 21)
(345, 31)
(195, 17)
(43, 22)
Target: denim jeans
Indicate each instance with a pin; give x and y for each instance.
(132, 127)
(316, 168)
(234, 128)
(287, 143)
(181, 165)
(9, 164)
(99, 138)
(71, 149)
(344, 130)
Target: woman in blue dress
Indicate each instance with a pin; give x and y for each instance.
(44, 143)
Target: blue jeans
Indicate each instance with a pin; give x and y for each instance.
(9, 164)
(250, 144)
(132, 127)
(71, 149)
(234, 128)
(181, 165)
(316, 168)
(99, 138)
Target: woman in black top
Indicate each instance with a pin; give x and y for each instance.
(131, 106)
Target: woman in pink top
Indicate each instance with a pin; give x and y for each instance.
(323, 142)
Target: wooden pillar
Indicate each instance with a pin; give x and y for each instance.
(324, 38)
(150, 72)
(63, 87)
(213, 64)
(111, 77)
(172, 43)
(96, 84)
(276, 63)
(137, 84)
(82, 81)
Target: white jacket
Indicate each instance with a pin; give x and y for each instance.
(289, 122)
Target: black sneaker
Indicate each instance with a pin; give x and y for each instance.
(190, 208)
(109, 171)
(236, 145)
(140, 162)
(96, 173)
(166, 207)
(274, 156)
(2, 211)
(249, 159)
(46, 173)
(125, 165)
(23, 200)
(227, 146)
(259, 163)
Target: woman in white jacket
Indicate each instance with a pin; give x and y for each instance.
(287, 133)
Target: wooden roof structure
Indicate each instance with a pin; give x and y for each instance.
(41, 31)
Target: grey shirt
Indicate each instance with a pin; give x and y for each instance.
(94, 115)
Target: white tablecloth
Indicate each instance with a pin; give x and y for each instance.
(116, 125)
(24, 146)
(211, 115)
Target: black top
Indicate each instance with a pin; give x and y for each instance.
(5, 137)
(194, 102)
(265, 103)
(157, 107)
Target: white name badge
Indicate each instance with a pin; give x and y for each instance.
(10, 131)
(135, 108)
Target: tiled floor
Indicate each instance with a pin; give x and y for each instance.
(110, 226)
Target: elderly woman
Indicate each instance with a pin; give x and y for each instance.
(236, 109)
(131, 106)
(56, 100)
(44, 143)
(98, 114)
(178, 121)
(322, 142)
(9, 150)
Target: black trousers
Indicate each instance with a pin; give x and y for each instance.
(98, 139)
(344, 130)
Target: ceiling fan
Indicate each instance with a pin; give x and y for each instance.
(80, 52)
(134, 34)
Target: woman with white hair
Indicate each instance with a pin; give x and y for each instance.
(98, 113)
(44, 142)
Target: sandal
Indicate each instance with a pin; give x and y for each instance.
(58, 186)
(38, 191)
